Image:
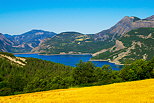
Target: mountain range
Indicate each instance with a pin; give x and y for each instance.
(100, 43)
(26, 41)
(73, 42)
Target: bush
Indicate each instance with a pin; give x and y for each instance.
(5, 91)
(84, 73)
(138, 70)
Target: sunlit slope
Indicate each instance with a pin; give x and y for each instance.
(129, 92)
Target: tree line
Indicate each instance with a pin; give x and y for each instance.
(40, 75)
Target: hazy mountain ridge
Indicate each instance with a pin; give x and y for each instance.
(33, 35)
(5, 44)
(29, 40)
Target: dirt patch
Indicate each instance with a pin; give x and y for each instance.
(15, 59)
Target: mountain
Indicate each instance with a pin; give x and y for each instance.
(32, 36)
(70, 43)
(5, 44)
(74, 42)
(29, 40)
(150, 18)
(136, 44)
(123, 26)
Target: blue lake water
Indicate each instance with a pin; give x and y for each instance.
(70, 60)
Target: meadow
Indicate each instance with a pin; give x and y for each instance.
(127, 92)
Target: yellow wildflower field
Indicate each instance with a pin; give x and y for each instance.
(127, 92)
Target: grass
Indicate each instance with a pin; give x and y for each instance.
(128, 92)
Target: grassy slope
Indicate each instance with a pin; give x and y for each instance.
(129, 92)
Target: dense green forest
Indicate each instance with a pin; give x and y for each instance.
(40, 75)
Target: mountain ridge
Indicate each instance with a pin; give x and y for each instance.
(137, 44)
(126, 24)
(74, 42)
(27, 41)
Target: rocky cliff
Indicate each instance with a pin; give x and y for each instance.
(123, 26)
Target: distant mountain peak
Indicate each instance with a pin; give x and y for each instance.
(150, 18)
(130, 19)
(70, 32)
(27, 41)
(126, 24)
(37, 30)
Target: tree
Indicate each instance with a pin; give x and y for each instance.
(138, 70)
(84, 73)
(151, 68)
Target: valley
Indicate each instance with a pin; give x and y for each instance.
(111, 44)
(76, 51)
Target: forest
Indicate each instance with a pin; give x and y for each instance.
(40, 75)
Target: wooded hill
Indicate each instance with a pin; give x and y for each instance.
(23, 75)
(71, 42)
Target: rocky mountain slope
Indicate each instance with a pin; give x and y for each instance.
(5, 44)
(29, 40)
(136, 44)
(123, 26)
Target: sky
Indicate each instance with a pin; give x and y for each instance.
(85, 16)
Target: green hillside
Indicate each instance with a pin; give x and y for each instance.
(71, 42)
(138, 44)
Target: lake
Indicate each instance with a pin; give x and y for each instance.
(70, 60)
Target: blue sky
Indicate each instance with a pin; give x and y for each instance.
(85, 16)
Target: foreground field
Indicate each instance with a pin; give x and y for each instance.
(129, 92)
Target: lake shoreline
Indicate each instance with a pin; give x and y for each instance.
(74, 54)
(25, 53)
(101, 60)
(66, 54)
(54, 54)
(69, 59)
